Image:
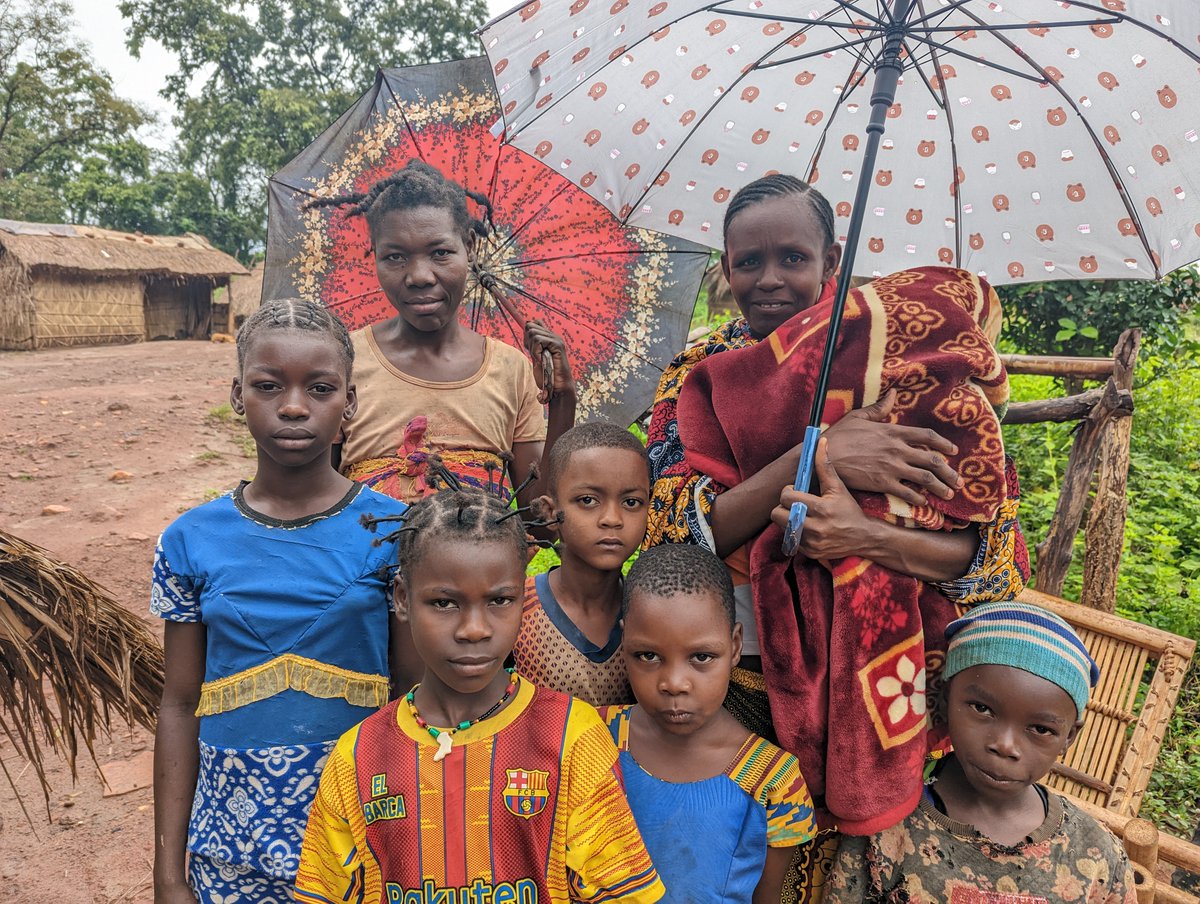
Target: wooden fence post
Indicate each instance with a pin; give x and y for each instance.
(1054, 553)
(1105, 531)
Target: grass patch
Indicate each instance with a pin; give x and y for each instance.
(221, 414)
(209, 455)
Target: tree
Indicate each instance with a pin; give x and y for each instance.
(257, 82)
(55, 108)
(1086, 317)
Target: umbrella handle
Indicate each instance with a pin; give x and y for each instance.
(795, 525)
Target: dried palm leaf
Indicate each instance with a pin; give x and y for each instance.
(60, 629)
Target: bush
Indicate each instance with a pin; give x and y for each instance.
(1159, 583)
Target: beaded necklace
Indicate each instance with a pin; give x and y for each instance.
(445, 736)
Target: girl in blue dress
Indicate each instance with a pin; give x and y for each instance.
(277, 625)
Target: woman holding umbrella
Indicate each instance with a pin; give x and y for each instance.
(438, 402)
(780, 258)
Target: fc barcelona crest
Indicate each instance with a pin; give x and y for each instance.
(527, 792)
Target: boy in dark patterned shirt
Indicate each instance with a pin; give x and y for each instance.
(985, 832)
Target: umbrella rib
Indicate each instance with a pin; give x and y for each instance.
(562, 313)
(753, 67)
(849, 85)
(1112, 171)
(565, 186)
(845, 45)
(399, 107)
(1016, 26)
(802, 20)
(944, 102)
(1016, 73)
(537, 261)
(510, 134)
(1145, 26)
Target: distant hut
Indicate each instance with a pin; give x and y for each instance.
(232, 306)
(82, 285)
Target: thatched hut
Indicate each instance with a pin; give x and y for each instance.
(82, 285)
(243, 297)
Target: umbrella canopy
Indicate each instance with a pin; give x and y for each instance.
(620, 296)
(1027, 139)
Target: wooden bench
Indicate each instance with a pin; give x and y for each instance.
(1107, 769)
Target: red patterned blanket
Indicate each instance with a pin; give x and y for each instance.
(851, 651)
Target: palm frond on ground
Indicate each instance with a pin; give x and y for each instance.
(71, 658)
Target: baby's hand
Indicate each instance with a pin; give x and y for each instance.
(551, 367)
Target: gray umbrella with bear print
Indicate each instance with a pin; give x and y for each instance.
(1020, 139)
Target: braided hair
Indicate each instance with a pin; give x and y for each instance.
(673, 569)
(459, 514)
(295, 314)
(417, 184)
(781, 185)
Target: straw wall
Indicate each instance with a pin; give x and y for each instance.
(82, 310)
(16, 307)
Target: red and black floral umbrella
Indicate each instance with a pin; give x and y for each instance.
(620, 296)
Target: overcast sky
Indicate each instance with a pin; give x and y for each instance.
(99, 23)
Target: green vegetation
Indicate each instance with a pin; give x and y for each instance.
(1159, 583)
(257, 81)
(221, 414)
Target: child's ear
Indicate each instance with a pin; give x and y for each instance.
(351, 402)
(1072, 734)
(235, 397)
(737, 642)
(544, 508)
(400, 597)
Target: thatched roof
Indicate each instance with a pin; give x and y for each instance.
(246, 291)
(103, 251)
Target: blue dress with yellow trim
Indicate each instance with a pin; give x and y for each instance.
(296, 614)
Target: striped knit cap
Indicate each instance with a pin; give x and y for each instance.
(1024, 637)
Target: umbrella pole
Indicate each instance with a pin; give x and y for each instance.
(883, 95)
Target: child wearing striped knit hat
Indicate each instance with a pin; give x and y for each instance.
(1017, 681)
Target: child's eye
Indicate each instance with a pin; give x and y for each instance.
(586, 500)
(1043, 730)
(704, 657)
(794, 258)
(747, 262)
(646, 656)
(322, 389)
(503, 601)
(633, 502)
(265, 386)
(981, 708)
(443, 604)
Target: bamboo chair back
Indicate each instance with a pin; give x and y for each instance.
(1109, 764)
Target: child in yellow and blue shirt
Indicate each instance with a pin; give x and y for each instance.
(518, 797)
(721, 809)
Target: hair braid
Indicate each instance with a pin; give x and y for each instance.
(468, 515)
(295, 314)
(417, 184)
(780, 185)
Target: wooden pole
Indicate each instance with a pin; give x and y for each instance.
(1106, 521)
(1067, 408)
(1054, 553)
(1058, 366)
(1141, 844)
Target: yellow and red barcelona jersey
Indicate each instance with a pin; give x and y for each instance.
(527, 808)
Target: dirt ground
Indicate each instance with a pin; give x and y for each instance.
(70, 420)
